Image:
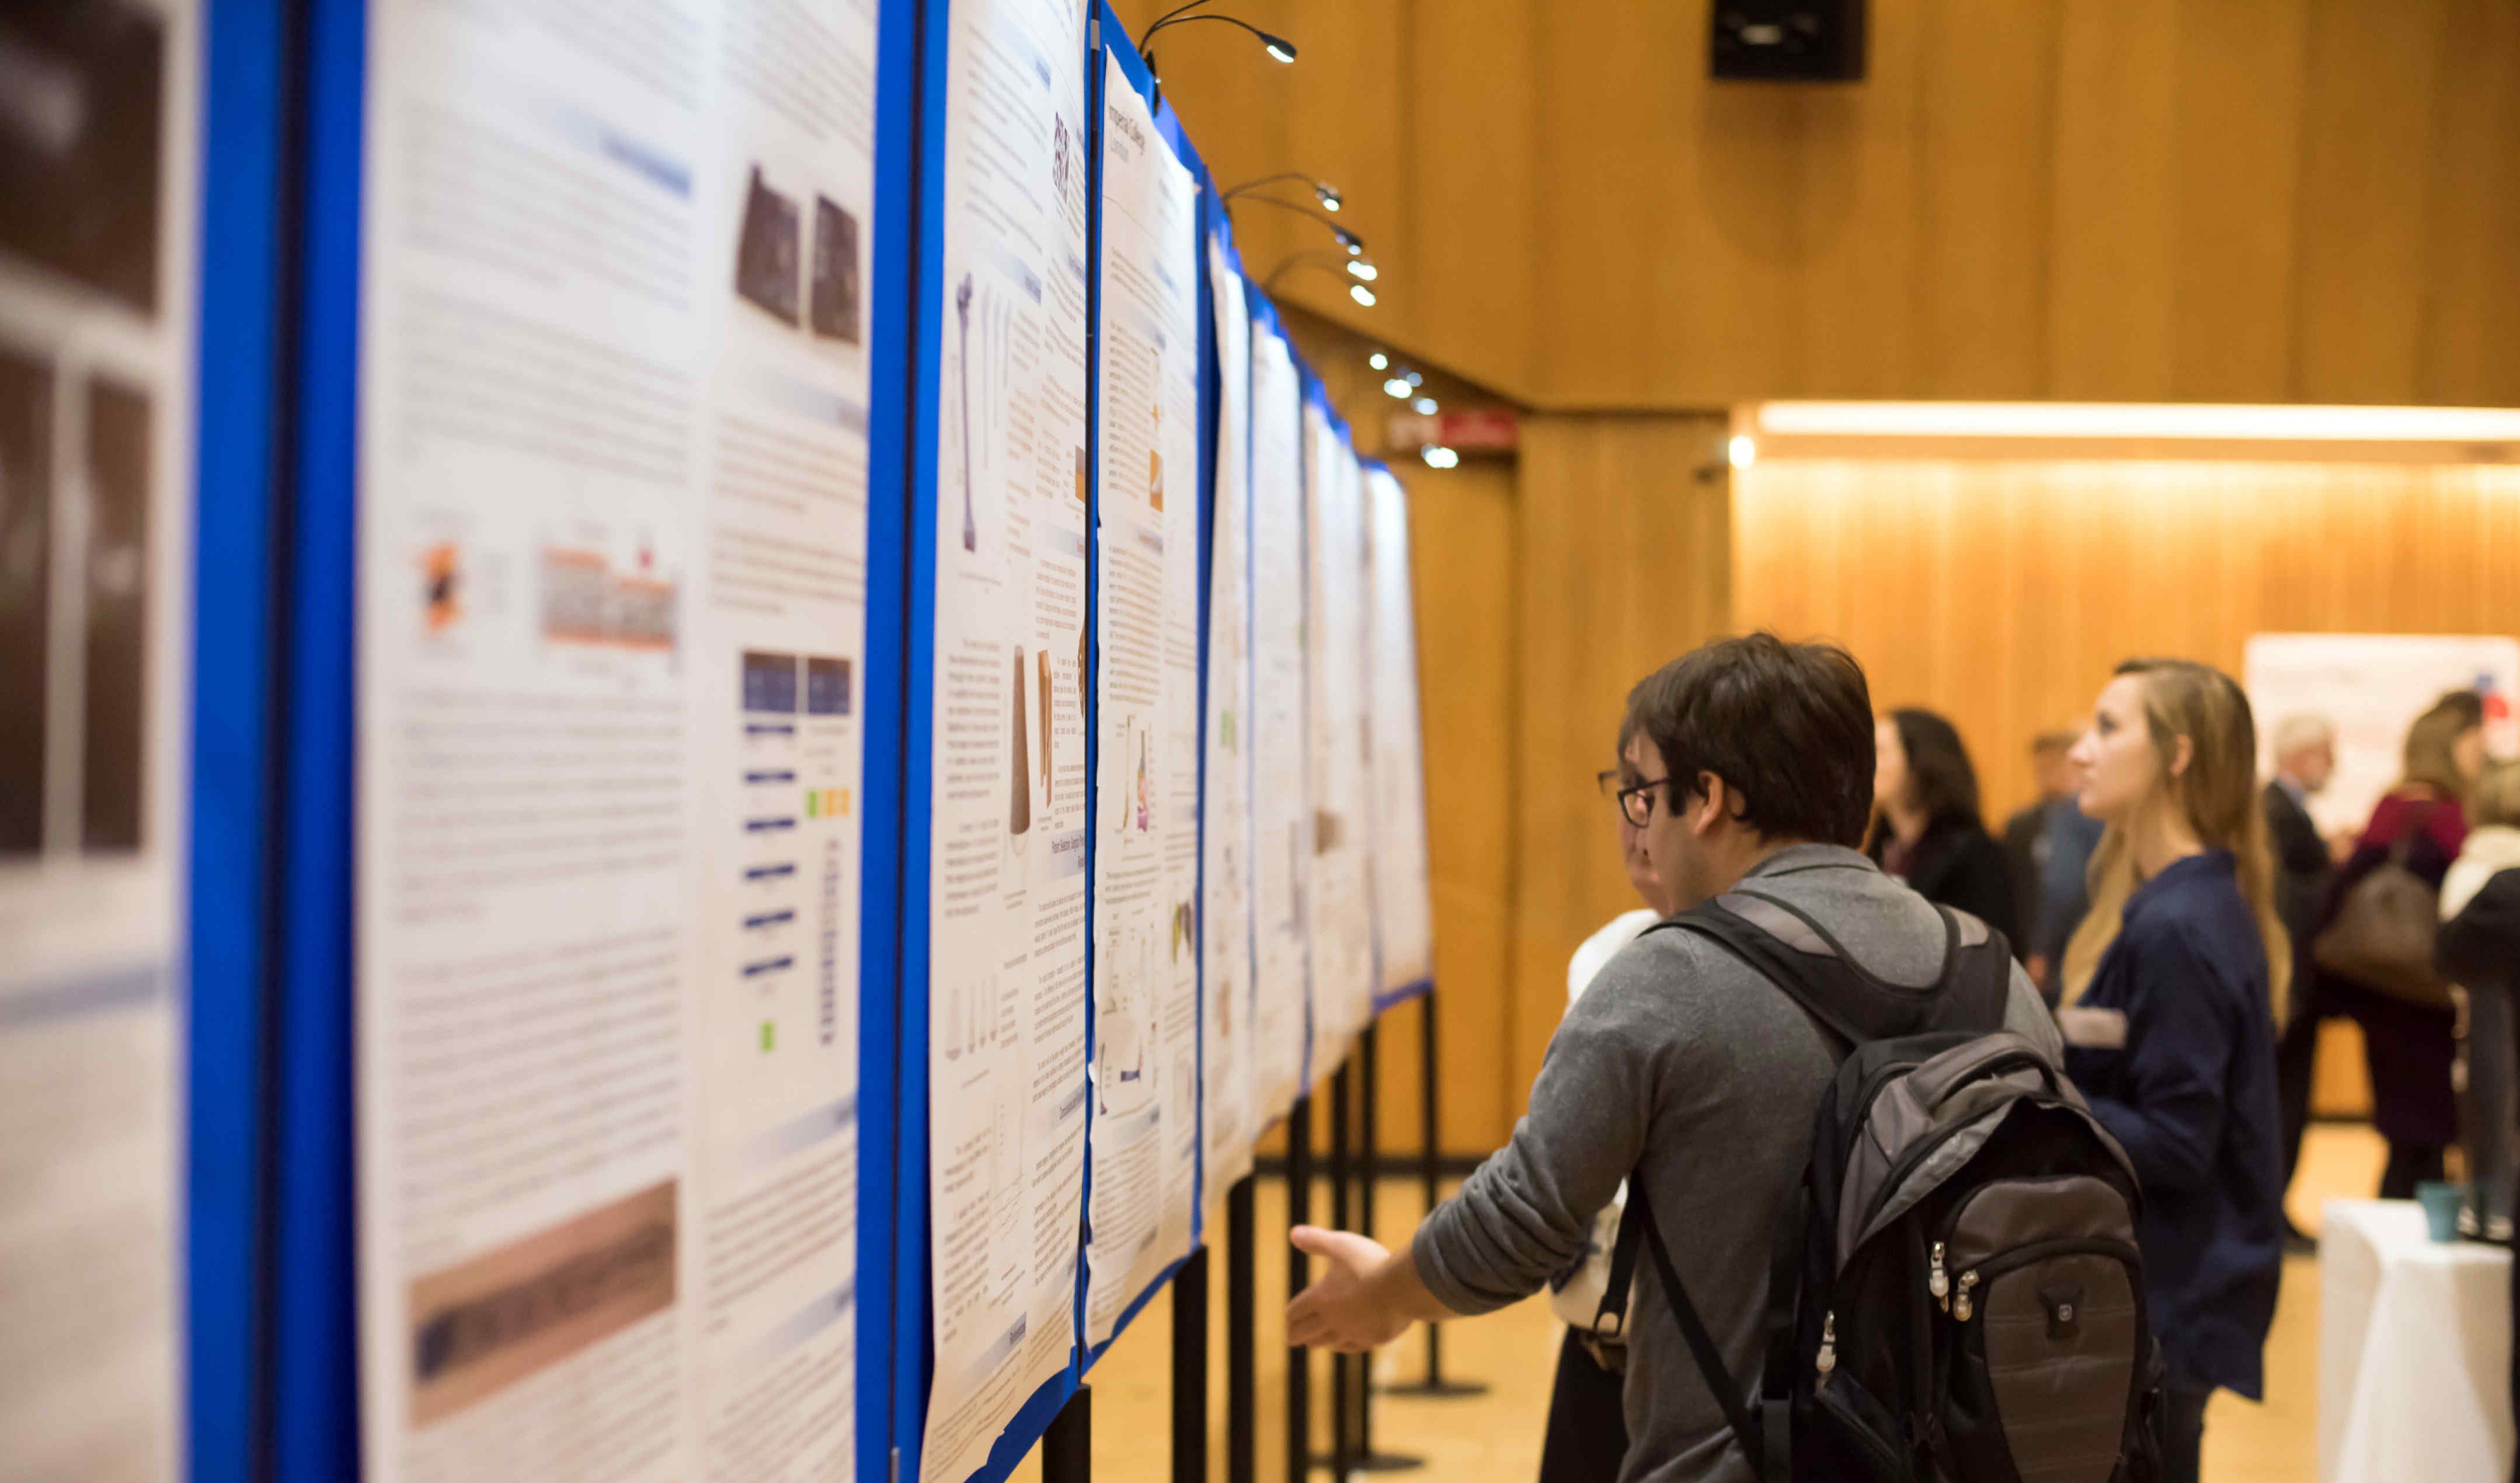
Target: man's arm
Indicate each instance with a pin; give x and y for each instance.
(1369, 1296)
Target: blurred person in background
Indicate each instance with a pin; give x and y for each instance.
(2479, 950)
(1927, 827)
(2304, 758)
(2026, 843)
(2174, 985)
(2420, 824)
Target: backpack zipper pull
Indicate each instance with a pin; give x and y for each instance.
(1827, 1362)
(1937, 1281)
(1961, 1307)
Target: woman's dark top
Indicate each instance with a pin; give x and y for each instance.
(2192, 1097)
(2410, 1047)
(1956, 863)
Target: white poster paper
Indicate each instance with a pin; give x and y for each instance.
(1144, 1136)
(1341, 919)
(1281, 818)
(612, 449)
(1403, 908)
(1006, 924)
(2372, 686)
(100, 144)
(1224, 914)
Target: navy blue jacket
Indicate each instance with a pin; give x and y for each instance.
(2192, 1097)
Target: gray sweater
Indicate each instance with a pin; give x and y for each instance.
(1681, 1058)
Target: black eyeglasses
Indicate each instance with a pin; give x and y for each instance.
(1635, 804)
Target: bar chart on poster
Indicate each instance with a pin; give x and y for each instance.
(611, 631)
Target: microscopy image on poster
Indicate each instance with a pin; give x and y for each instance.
(1341, 919)
(613, 424)
(1006, 990)
(1226, 993)
(100, 155)
(1142, 1138)
(1404, 912)
(1282, 815)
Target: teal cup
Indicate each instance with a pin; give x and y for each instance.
(2441, 1202)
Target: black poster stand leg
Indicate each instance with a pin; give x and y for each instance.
(1369, 1171)
(1190, 1369)
(1342, 1178)
(1299, 1212)
(1430, 1173)
(1241, 1337)
(1068, 1448)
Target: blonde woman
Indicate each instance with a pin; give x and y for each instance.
(2174, 983)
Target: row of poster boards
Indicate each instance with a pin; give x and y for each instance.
(705, 718)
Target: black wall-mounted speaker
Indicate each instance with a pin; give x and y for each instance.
(1788, 41)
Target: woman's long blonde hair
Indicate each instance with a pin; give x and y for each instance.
(2217, 795)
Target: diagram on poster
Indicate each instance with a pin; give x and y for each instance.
(1403, 905)
(1227, 1000)
(613, 458)
(1281, 818)
(1007, 991)
(99, 147)
(1143, 1140)
(1341, 919)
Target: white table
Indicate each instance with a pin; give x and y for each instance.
(2414, 1350)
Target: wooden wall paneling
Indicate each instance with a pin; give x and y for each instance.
(2472, 306)
(2367, 177)
(1622, 562)
(2113, 235)
(1856, 202)
(2237, 181)
(1987, 85)
(1473, 232)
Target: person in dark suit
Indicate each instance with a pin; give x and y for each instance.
(2304, 755)
(1926, 828)
(2026, 837)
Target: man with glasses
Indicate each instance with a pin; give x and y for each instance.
(1746, 766)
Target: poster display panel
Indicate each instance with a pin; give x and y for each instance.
(1226, 1042)
(612, 450)
(99, 255)
(2372, 686)
(1403, 903)
(1143, 1136)
(1341, 919)
(1282, 816)
(1006, 865)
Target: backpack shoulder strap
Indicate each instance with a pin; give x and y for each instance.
(1701, 1344)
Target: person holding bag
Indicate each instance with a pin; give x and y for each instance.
(2371, 946)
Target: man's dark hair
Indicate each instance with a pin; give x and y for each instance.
(1786, 726)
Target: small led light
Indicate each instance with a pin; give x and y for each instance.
(1360, 268)
(1413, 378)
(1437, 456)
(1360, 294)
(1424, 405)
(1378, 361)
(1744, 451)
(1397, 387)
(1279, 47)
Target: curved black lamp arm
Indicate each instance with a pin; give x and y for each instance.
(1163, 20)
(1278, 46)
(1254, 185)
(1347, 239)
(1311, 260)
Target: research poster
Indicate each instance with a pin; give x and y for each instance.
(1007, 923)
(1341, 920)
(1224, 912)
(2372, 686)
(1403, 907)
(1281, 817)
(612, 446)
(1143, 1140)
(101, 154)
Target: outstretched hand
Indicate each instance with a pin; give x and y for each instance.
(1359, 1302)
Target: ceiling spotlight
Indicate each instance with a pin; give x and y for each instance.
(1744, 451)
(1378, 361)
(1437, 456)
(1397, 390)
(1360, 294)
(1358, 268)
(1423, 406)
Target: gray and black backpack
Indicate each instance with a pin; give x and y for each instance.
(1955, 1293)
